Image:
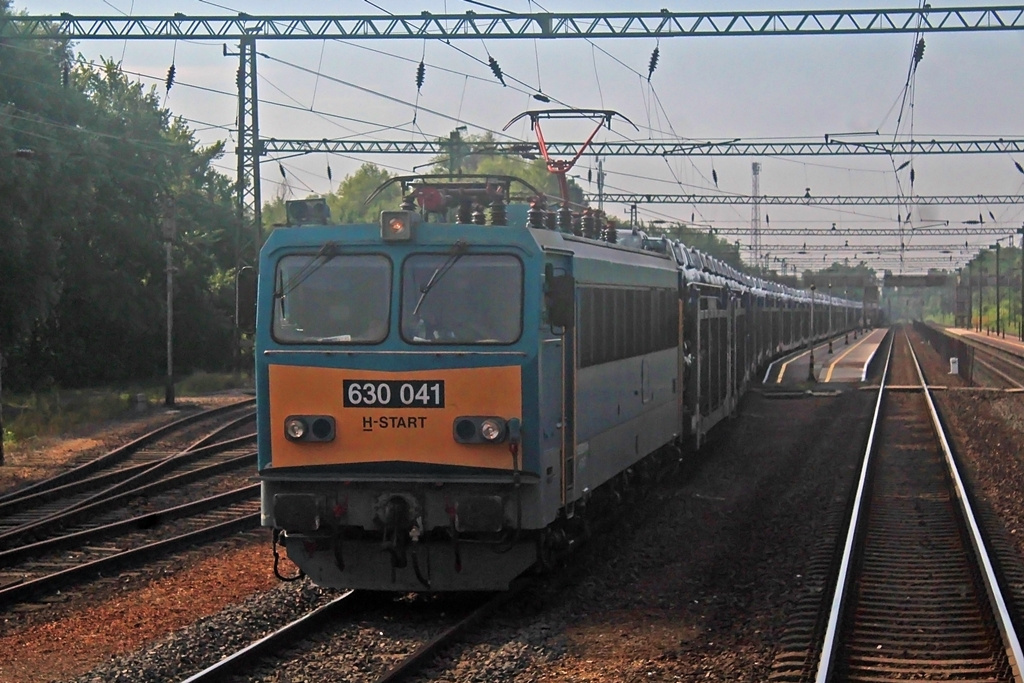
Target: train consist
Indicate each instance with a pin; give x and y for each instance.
(446, 397)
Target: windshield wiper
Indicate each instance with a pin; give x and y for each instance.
(458, 250)
(326, 253)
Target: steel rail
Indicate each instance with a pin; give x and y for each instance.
(27, 589)
(1005, 624)
(119, 453)
(999, 373)
(191, 455)
(277, 640)
(117, 480)
(1009, 632)
(425, 653)
(838, 597)
(144, 521)
(11, 537)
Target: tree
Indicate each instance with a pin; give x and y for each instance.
(348, 204)
(81, 250)
(533, 171)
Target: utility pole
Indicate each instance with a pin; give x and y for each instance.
(970, 297)
(997, 288)
(981, 293)
(169, 228)
(755, 212)
(830, 316)
(456, 150)
(810, 370)
(1020, 231)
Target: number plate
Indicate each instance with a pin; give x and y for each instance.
(394, 393)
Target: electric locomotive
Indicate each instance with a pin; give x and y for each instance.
(438, 400)
(443, 398)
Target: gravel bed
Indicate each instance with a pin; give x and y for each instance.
(204, 642)
(697, 583)
(702, 587)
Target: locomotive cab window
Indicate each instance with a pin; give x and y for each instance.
(462, 298)
(339, 299)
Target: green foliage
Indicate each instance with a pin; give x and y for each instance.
(201, 383)
(533, 171)
(82, 257)
(348, 204)
(705, 241)
(52, 412)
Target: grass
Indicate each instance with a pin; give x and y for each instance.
(58, 411)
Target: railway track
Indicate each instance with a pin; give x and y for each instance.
(45, 567)
(1004, 367)
(131, 458)
(164, 492)
(53, 505)
(291, 642)
(917, 597)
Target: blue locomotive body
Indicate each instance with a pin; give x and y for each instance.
(439, 403)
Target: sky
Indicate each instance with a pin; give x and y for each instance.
(704, 88)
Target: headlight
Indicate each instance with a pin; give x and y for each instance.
(492, 430)
(295, 428)
(479, 429)
(310, 428)
(398, 226)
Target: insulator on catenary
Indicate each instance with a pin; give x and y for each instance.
(330, 176)
(653, 64)
(919, 52)
(169, 81)
(281, 169)
(421, 73)
(495, 69)
(911, 175)
(714, 176)
(498, 214)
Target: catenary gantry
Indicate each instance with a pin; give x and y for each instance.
(472, 25)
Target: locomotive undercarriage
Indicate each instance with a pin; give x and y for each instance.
(415, 537)
(440, 537)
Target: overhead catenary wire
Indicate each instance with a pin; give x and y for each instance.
(464, 83)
